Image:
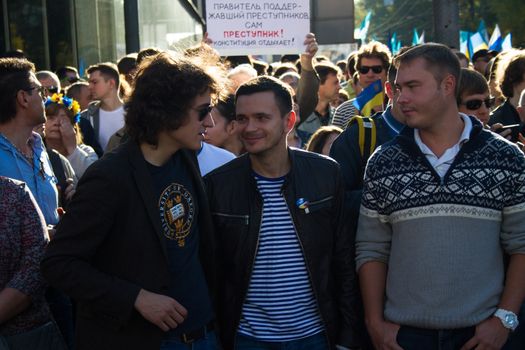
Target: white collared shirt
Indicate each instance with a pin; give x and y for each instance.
(443, 163)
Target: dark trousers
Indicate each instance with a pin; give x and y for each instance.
(411, 338)
(314, 342)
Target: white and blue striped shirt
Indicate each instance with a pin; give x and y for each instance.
(280, 303)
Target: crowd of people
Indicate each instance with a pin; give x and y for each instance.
(184, 200)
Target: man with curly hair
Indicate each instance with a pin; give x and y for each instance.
(135, 247)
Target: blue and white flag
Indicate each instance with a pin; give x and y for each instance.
(495, 39)
(507, 42)
(362, 31)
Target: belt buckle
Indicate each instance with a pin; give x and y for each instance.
(187, 340)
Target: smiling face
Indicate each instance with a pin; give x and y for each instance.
(262, 128)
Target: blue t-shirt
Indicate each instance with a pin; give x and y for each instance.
(178, 211)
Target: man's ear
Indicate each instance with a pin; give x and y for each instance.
(290, 120)
(448, 85)
(230, 127)
(21, 98)
(389, 91)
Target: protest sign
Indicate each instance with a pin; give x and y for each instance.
(242, 27)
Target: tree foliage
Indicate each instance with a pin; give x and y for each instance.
(405, 15)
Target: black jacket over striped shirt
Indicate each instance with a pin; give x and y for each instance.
(236, 207)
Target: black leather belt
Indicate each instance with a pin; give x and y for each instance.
(191, 336)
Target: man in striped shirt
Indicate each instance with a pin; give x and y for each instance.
(284, 262)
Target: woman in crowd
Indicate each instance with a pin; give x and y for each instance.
(62, 132)
(321, 141)
(25, 319)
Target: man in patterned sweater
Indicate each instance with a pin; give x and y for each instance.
(441, 204)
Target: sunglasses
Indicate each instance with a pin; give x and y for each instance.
(476, 104)
(42, 91)
(203, 112)
(53, 89)
(366, 69)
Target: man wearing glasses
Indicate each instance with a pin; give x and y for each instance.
(373, 60)
(22, 152)
(50, 81)
(135, 247)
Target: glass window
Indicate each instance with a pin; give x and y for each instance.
(59, 27)
(166, 24)
(27, 31)
(100, 31)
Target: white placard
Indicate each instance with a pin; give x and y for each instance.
(243, 27)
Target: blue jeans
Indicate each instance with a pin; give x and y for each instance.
(411, 338)
(314, 342)
(209, 342)
(45, 337)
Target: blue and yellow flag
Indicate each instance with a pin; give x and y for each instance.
(370, 97)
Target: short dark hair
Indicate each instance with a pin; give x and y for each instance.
(165, 89)
(374, 49)
(350, 63)
(438, 58)
(14, 76)
(471, 82)
(108, 70)
(261, 67)
(318, 138)
(127, 63)
(147, 52)
(283, 68)
(513, 74)
(281, 91)
(392, 70)
(73, 91)
(324, 69)
(226, 106)
(62, 72)
(483, 53)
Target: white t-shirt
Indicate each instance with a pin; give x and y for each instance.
(110, 122)
(211, 157)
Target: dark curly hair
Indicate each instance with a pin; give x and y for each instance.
(513, 74)
(165, 88)
(14, 76)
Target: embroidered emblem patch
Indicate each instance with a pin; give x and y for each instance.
(177, 212)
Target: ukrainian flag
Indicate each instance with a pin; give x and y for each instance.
(370, 97)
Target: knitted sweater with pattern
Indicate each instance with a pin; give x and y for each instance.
(443, 238)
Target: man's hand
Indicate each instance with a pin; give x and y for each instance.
(161, 310)
(490, 335)
(69, 137)
(505, 133)
(309, 52)
(70, 189)
(383, 334)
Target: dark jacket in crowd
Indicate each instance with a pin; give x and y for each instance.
(236, 207)
(506, 114)
(110, 244)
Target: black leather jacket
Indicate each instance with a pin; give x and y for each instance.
(236, 207)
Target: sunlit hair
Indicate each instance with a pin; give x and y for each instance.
(164, 91)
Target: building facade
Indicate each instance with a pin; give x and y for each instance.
(55, 33)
